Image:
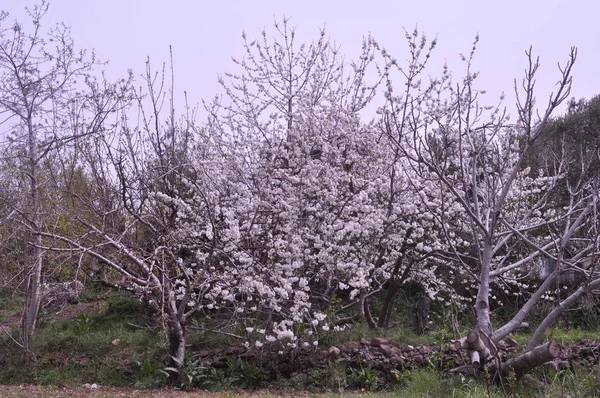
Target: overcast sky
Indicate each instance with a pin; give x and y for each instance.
(206, 34)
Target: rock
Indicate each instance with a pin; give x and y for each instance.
(378, 342)
(387, 350)
(586, 351)
(398, 361)
(333, 352)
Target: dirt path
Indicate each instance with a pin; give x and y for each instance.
(52, 391)
(30, 391)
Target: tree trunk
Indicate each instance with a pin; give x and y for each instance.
(482, 305)
(385, 318)
(368, 316)
(34, 287)
(32, 302)
(422, 314)
(176, 333)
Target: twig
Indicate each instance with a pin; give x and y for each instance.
(9, 335)
(218, 332)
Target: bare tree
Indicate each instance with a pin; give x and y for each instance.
(41, 97)
(471, 156)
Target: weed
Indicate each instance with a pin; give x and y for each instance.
(245, 374)
(83, 324)
(151, 374)
(54, 375)
(337, 376)
(565, 381)
(197, 375)
(365, 377)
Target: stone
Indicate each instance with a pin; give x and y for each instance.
(333, 352)
(378, 342)
(387, 350)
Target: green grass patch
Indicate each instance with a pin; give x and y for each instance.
(560, 335)
(103, 348)
(10, 304)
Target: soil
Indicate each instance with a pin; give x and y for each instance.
(30, 391)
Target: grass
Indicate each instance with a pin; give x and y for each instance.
(100, 348)
(10, 305)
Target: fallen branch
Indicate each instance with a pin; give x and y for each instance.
(531, 359)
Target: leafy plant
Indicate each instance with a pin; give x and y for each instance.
(83, 324)
(152, 376)
(337, 376)
(245, 374)
(365, 377)
(198, 375)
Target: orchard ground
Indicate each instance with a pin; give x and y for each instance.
(103, 346)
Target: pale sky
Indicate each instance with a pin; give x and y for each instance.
(206, 34)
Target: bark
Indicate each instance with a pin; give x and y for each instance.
(368, 315)
(385, 318)
(475, 342)
(482, 305)
(360, 313)
(476, 349)
(456, 345)
(539, 355)
(32, 302)
(34, 287)
(176, 332)
(422, 314)
(474, 355)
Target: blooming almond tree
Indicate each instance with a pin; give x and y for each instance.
(309, 165)
(328, 206)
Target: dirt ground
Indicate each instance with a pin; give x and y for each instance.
(30, 391)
